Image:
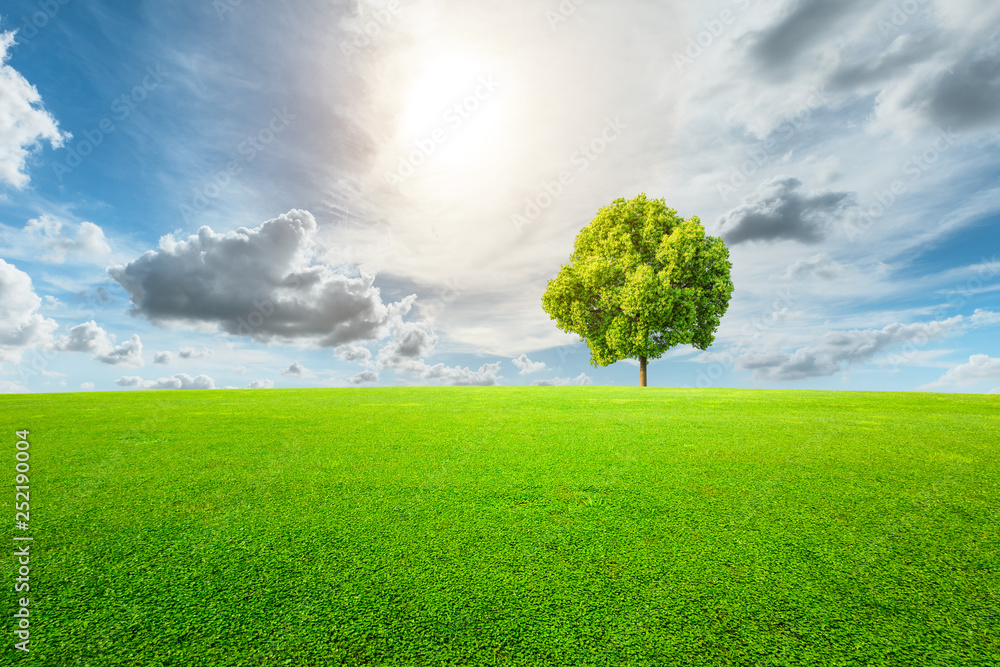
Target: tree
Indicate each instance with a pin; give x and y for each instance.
(640, 281)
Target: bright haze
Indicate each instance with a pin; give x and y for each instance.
(239, 193)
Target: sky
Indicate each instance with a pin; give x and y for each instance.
(306, 193)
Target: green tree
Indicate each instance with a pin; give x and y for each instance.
(641, 280)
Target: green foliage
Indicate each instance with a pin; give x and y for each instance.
(640, 281)
(509, 526)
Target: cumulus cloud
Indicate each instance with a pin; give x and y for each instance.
(580, 380)
(56, 243)
(21, 326)
(297, 370)
(980, 367)
(266, 283)
(86, 386)
(90, 338)
(837, 350)
(364, 377)
(487, 375)
(7, 387)
(527, 366)
(780, 211)
(128, 353)
(261, 384)
(354, 353)
(26, 124)
(179, 381)
(410, 341)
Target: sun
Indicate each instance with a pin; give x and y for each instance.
(438, 85)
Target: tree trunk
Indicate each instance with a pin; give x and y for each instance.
(642, 371)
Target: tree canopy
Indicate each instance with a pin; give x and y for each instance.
(641, 280)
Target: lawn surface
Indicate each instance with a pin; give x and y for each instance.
(508, 526)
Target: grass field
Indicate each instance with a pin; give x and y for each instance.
(509, 526)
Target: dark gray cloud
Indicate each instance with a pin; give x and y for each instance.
(804, 24)
(779, 211)
(265, 283)
(965, 96)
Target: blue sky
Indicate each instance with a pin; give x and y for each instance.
(330, 194)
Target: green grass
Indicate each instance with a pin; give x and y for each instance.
(509, 526)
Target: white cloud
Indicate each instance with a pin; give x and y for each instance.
(265, 283)
(128, 353)
(297, 370)
(86, 386)
(364, 377)
(22, 328)
(7, 387)
(980, 367)
(487, 375)
(55, 244)
(527, 366)
(819, 266)
(261, 384)
(90, 338)
(179, 381)
(352, 353)
(410, 341)
(837, 350)
(580, 380)
(167, 358)
(26, 125)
